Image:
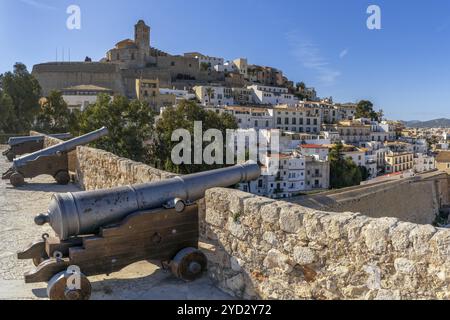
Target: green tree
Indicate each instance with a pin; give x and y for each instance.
(24, 91)
(364, 109)
(54, 116)
(130, 125)
(343, 171)
(183, 116)
(210, 93)
(8, 119)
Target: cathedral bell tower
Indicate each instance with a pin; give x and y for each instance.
(142, 38)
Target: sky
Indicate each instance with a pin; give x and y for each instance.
(403, 68)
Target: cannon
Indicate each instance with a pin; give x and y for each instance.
(22, 145)
(52, 161)
(103, 231)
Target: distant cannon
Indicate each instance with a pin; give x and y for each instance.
(103, 231)
(22, 145)
(53, 160)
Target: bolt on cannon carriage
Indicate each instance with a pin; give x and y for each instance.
(23, 145)
(103, 231)
(53, 161)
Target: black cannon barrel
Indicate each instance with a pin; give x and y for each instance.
(65, 146)
(82, 213)
(13, 141)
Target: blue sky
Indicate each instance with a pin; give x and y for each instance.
(404, 68)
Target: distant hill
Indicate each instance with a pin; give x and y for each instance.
(437, 123)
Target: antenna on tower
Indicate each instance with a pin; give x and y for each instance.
(69, 54)
(56, 54)
(63, 54)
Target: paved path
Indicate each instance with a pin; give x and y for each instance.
(141, 280)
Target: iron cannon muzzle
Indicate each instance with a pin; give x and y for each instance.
(83, 213)
(63, 147)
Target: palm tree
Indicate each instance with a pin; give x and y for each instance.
(210, 94)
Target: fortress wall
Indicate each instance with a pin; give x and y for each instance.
(410, 200)
(98, 169)
(259, 248)
(57, 76)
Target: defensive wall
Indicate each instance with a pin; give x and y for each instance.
(417, 199)
(266, 249)
(60, 75)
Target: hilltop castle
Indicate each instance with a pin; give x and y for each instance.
(127, 61)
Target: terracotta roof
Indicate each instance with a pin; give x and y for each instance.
(443, 156)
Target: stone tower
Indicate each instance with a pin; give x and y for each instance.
(142, 38)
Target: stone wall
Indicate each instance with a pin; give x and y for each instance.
(416, 200)
(98, 169)
(265, 249)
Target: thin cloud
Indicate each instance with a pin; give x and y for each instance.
(310, 56)
(343, 53)
(38, 5)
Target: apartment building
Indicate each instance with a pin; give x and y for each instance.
(296, 119)
(242, 96)
(214, 95)
(251, 117)
(424, 162)
(399, 161)
(283, 176)
(267, 95)
(353, 132)
(317, 174)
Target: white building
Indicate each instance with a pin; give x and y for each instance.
(294, 119)
(214, 95)
(211, 62)
(423, 163)
(80, 97)
(271, 95)
(251, 117)
(283, 177)
(179, 94)
(320, 152)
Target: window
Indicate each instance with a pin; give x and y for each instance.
(286, 120)
(172, 63)
(278, 120)
(294, 121)
(132, 56)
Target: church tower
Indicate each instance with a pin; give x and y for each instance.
(142, 38)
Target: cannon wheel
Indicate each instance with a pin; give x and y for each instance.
(17, 179)
(10, 156)
(62, 177)
(57, 288)
(188, 264)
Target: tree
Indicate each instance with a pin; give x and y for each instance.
(54, 116)
(130, 125)
(24, 91)
(7, 115)
(209, 93)
(301, 86)
(343, 171)
(183, 116)
(364, 109)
